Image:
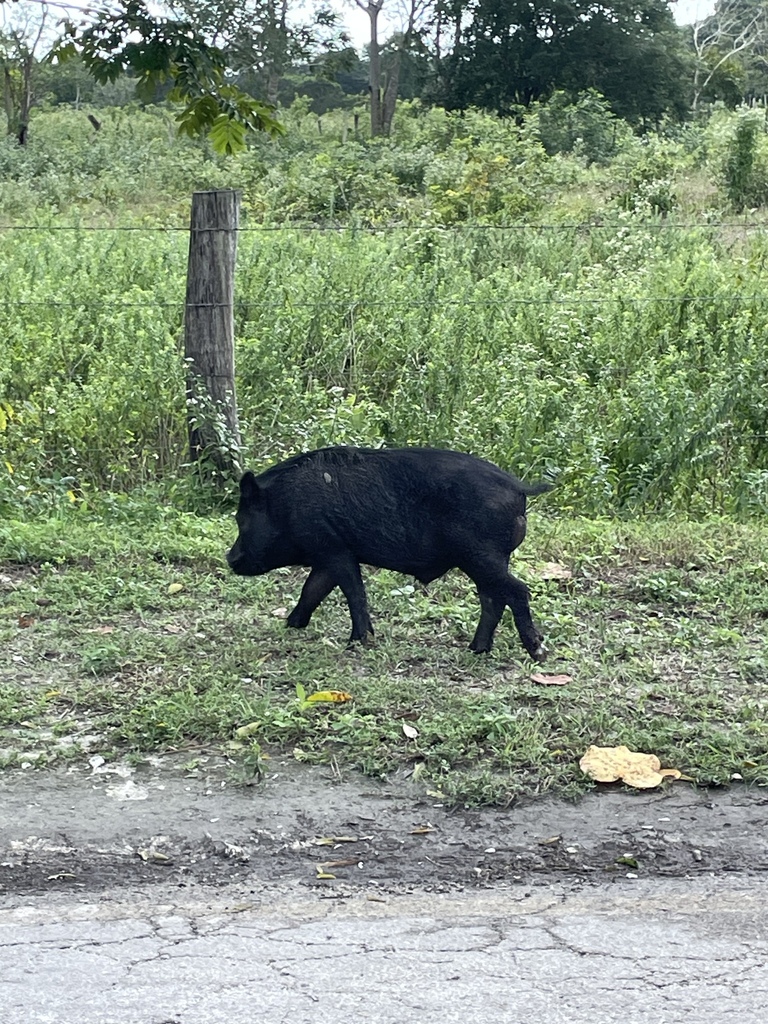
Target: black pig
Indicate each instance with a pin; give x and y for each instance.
(420, 511)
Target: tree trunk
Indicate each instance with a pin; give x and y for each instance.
(209, 331)
(26, 100)
(278, 22)
(374, 79)
(393, 82)
(390, 96)
(8, 101)
(273, 85)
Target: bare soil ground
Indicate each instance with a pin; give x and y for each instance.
(117, 829)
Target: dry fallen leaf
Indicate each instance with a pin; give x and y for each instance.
(247, 730)
(609, 764)
(154, 856)
(411, 732)
(550, 680)
(329, 697)
(332, 840)
(101, 630)
(554, 571)
(25, 621)
(280, 613)
(345, 863)
(175, 588)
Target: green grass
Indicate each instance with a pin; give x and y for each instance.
(662, 627)
(628, 360)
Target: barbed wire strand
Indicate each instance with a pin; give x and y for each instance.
(73, 456)
(381, 229)
(352, 305)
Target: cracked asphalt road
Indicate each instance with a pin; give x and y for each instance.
(157, 896)
(641, 952)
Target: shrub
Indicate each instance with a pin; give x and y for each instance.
(584, 126)
(738, 149)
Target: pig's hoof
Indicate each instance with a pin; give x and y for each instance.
(479, 650)
(540, 654)
(359, 641)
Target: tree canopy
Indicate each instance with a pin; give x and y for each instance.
(503, 53)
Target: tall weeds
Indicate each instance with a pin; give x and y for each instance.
(627, 359)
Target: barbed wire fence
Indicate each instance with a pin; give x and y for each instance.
(352, 305)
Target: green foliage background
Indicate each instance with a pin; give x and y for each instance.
(518, 291)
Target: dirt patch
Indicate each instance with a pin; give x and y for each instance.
(90, 830)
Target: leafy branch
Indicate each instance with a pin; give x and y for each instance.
(126, 37)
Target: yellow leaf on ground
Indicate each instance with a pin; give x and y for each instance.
(609, 764)
(329, 697)
(174, 588)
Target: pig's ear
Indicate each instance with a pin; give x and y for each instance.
(249, 488)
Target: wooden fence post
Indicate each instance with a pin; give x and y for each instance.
(209, 331)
